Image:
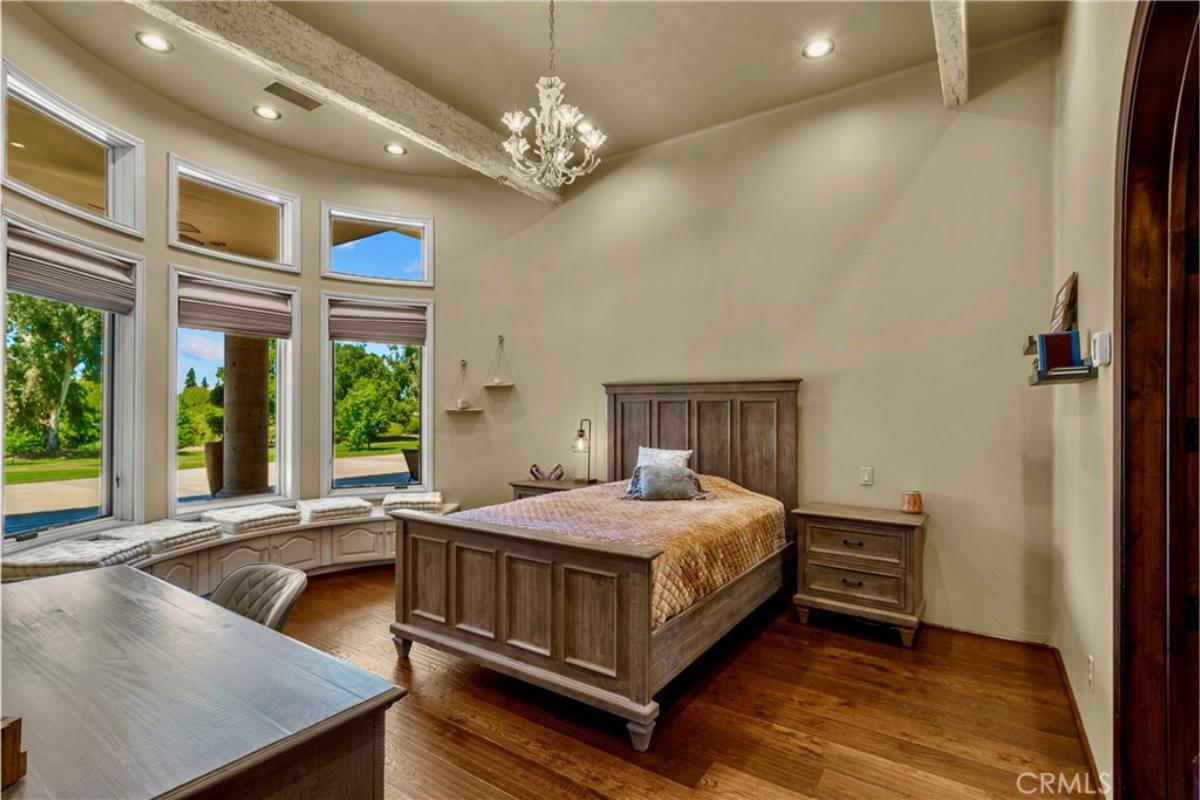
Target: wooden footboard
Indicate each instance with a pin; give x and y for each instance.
(571, 616)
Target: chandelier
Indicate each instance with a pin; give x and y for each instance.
(554, 160)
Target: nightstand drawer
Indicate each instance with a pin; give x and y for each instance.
(859, 544)
(853, 586)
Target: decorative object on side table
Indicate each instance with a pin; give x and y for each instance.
(911, 502)
(555, 474)
(866, 562)
(582, 443)
(14, 760)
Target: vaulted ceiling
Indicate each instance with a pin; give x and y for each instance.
(644, 72)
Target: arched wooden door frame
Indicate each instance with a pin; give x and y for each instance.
(1155, 712)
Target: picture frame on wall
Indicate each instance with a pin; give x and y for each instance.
(1063, 318)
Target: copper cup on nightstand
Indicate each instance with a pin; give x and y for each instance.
(911, 502)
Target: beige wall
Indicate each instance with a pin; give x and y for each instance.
(891, 253)
(1095, 40)
(471, 216)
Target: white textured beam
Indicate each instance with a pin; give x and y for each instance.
(950, 31)
(300, 55)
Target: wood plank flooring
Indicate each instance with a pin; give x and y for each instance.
(776, 710)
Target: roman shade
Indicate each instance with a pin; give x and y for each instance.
(217, 305)
(58, 271)
(391, 323)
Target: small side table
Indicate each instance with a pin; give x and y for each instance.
(528, 487)
(866, 562)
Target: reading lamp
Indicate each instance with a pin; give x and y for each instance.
(582, 443)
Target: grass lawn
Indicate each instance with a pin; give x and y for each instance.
(38, 470)
(377, 448)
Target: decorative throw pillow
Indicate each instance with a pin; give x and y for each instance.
(665, 482)
(652, 455)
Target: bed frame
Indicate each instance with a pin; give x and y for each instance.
(572, 615)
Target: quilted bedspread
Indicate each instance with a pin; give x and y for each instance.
(705, 543)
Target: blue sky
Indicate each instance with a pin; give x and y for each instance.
(384, 255)
(204, 351)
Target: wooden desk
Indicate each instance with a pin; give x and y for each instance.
(130, 687)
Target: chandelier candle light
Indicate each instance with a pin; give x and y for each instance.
(557, 127)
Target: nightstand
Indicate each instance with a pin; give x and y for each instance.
(528, 487)
(862, 561)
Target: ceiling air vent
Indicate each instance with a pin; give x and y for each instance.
(294, 97)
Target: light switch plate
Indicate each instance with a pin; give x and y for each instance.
(1101, 349)
(866, 476)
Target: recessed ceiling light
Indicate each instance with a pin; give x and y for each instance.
(818, 48)
(266, 112)
(394, 149)
(585, 127)
(152, 41)
(17, 145)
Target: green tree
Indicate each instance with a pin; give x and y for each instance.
(365, 413)
(204, 381)
(53, 347)
(189, 381)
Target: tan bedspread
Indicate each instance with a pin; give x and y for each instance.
(705, 543)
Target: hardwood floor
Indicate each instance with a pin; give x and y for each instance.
(776, 710)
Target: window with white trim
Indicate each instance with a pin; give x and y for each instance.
(60, 155)
(227, 217)
(376, 246)
(72, 397)
(232, 422)
(376, 395)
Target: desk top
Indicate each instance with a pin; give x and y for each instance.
(130, 687)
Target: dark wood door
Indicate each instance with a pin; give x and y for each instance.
(1157, 711)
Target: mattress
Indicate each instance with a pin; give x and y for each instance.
(333, 508)
(248, 519)
(165, 534)
(705, 543)
(71, 555)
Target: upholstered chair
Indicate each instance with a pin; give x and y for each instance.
(265, 593)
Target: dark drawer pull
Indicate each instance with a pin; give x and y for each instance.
(852, 584)
(849, 543)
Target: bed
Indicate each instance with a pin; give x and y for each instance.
(602, 599)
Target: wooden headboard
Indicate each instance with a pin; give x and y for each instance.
(741, 430)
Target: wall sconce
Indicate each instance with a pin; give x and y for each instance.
(582, 443)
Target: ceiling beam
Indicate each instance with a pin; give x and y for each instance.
(299, 54)
(950, 32)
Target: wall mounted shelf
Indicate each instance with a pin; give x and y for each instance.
(471, 410)
(1066, 375)
(500, 385)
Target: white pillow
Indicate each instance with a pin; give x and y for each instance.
(652, 456)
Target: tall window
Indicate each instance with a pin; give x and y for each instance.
(378, 436)
(376, 246)
(227, 217)
(232, 391)
(68, 408)
(62, 156)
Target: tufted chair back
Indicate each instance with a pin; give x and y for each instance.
(265, 593)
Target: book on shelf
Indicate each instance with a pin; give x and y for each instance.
(1058, 350)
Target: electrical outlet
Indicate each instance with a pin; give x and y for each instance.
(1091, 673)
(866, 476)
